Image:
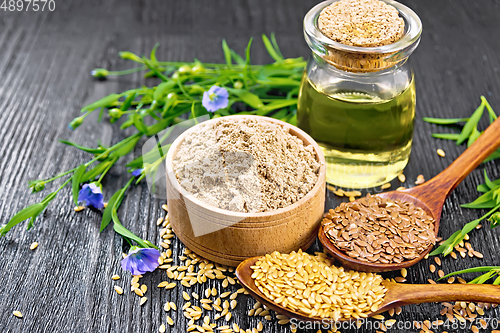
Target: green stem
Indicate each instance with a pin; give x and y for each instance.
(106, 170)
(127, 71)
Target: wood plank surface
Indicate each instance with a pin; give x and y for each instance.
(45, 60)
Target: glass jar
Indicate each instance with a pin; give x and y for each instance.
(358, 103)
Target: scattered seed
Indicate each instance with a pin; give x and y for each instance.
(170, 321)
(440, 273)
(451, 279)
(138, 292)
(144, 288)
(437, 260)
(432, 268)
(185, 295)
(33, 245)
(18, 314)
(173, 306)
(115, 277)
(162, 328)
(478, 254)
(420, 180)
(440, 152)
(378, 317)
(118, 290)
(385, 186)
(164, 207)
(402, 177)
(404, 272)
(79, 208)
(143, 300)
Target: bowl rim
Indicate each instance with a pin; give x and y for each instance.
(308, 141)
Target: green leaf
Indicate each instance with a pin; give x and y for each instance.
(128, 101)
(139, 123)
(473, 137)
(106, 215)
(483, 188)
(127, 147)
(472, 270)
(444, 121)
(120, 229)
(76, 180)
(239, 60)
(491, 113)
(497, 281)
(470, 124)
(31, 211)
(447, 243)
(482, 278)
(488, 182)
(276, 105)
(275, 45)
(227, 53)
(103, 102)
(85, 149)
(247, 97)
(493, 156)
(470, 226)
(484, 201)
(162, 89)
(154, 69)
(270, 49)
(153, 53)
(95, 171)
(446, 136)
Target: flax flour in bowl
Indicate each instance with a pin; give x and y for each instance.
(245, 165)
(242, 186)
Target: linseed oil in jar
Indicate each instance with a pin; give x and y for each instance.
(357, 96)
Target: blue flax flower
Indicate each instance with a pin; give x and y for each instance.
(91, 195)
(137, 172)
(215, 98)
(140, 260)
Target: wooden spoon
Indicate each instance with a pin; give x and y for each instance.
(430, 196)
(398, 294)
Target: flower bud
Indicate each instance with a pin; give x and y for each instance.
(172, 96)
(99, 72)
(129, 56)
(115, 113)
(185, 69)
(196, 89)
(75, 123)
(175, 76)
(238, 85)
(198, 69)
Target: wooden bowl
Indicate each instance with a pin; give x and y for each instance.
(239, 236)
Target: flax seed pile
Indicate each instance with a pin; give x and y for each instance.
(245, 165)
(311, 285)
(374, 229)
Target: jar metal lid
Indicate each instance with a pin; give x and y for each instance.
(363, 59)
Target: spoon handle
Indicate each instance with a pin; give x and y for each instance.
(435, 191)
(403, 294)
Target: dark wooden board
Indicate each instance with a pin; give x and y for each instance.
(45, 60)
